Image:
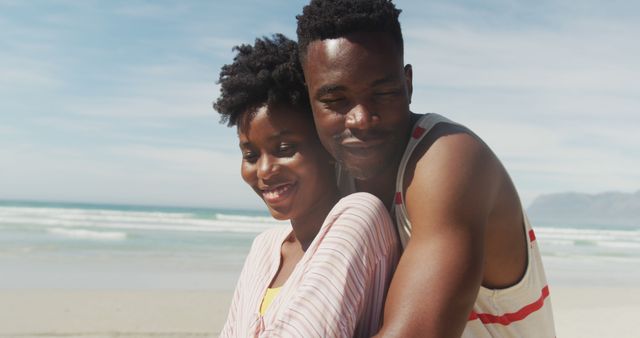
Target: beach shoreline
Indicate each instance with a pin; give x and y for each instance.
(133, 272)
(112, 313)
(579, 312)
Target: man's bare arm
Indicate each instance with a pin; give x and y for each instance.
(449, 199)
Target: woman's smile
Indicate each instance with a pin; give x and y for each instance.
(278, 194)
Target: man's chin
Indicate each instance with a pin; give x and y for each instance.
(363, 173)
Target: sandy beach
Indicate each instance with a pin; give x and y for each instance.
(596, 312)
(69, 313)
(171, 272)
(579, 312)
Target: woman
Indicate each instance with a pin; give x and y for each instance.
(327, 274)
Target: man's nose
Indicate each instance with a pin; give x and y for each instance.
(361, 116)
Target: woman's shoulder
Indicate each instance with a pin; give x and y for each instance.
(361, 202)
(364, 215)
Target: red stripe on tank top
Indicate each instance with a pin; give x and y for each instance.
(508, 318)
(418, 132)
(532, 236)
(398, 199)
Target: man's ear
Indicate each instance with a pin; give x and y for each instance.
(408, 77)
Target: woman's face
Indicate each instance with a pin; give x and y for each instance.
(284, 162)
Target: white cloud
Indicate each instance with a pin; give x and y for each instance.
(575, 60)
(558, 104)
(27, 75)
(152, 10)
(183, 88)
(138, 174)
(167, 103)
(552, 86)
(220, 46)
(9, 130)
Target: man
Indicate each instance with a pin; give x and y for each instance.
(470, 266)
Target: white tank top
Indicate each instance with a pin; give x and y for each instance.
(521, 310)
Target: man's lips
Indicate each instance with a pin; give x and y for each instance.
(277, 193)
(362, 148)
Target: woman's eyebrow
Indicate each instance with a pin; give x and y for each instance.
(276, 135)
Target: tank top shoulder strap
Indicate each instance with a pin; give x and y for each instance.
(422, 127)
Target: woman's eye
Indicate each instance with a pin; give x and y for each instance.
(249, 156)
(286, 149)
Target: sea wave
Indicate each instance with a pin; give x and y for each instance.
(134, 220)
(243, 218)
(588, 242)
(97, 222)
(88, 234)
(588, 235)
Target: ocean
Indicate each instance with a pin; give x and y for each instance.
(95, 246)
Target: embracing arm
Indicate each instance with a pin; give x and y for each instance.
(448, 200)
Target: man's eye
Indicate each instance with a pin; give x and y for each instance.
(331, 100)
(387, 93)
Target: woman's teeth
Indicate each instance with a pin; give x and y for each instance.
(277, 192)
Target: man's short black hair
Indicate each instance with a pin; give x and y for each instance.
(330, 19)
(267, 73)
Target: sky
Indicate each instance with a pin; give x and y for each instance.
(111, 101)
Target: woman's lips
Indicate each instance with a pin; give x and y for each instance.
(277, 194)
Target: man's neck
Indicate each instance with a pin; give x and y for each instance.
(380, 186)
(383, 185)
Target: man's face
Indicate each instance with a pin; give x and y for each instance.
(360, 93)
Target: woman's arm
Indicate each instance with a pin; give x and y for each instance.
(251, 284)
(228, 330)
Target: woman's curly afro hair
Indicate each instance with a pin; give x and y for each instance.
(330, 19)
(267, 73)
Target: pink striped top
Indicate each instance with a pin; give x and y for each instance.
(338, 287)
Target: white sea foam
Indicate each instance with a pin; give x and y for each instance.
(589, 242)
(265, 219)
(135, 220)
(596, 235)
(123, 222)
(88, 234)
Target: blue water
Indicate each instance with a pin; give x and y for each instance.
(65, 245)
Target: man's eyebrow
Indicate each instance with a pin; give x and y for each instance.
(385, 80)
(329, 89)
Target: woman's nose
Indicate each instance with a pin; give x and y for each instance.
(267, 166)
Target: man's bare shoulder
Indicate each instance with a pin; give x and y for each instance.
(451, 151)
(452, 173)
(448, 141)
(457, 183)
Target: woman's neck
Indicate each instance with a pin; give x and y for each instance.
(306, 226)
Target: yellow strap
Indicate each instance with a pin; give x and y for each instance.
(268, 299)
